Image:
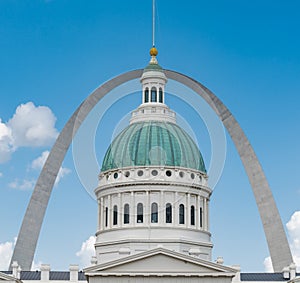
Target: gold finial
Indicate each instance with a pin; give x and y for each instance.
(153, 51)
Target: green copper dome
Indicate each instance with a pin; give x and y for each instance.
(153, 143)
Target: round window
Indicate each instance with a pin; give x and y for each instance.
(116, 175)
(193, 176)
(127, 174)
(140, 173)
(169, 173)
(154, 172)
(181, 174)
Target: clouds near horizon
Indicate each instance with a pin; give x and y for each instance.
(293, 227)
(87, 251)
(6, 250)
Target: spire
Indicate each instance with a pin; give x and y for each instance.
(153, 50)
(153, 23)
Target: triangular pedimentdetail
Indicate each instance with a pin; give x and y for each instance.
(295, 280)
(9, 278)
(160, 261)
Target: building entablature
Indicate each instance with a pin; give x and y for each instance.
(152, 187)
(170, 175)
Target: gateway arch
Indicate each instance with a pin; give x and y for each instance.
(30, 229)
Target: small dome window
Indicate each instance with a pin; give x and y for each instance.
(193, 176)
(140, 216)
(115, 215)
(154, 173)
(116, 175)
(169, 173)
(160, 95)
(192, 215)
(201, 217)
(126, 213)
(140, 173)
(153, 94)
(146, 95)
(181, 214)
(154, 213)
(168, 213)
(127, 174)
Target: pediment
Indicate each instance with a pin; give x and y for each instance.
(8, 278)
(160, 261)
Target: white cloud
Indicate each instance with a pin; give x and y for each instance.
(293, 227)
(6, 142)
(30, 126)
(268, 264)
(6, 250)
(62, 173)
(39, 162)
(87, 251)
(33, 125)
(1, 174)
(23, 185)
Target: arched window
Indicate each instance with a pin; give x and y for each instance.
(168, 213)
(153, 94)
(106, 216)
(201, 215)
(192, 215)
(115, 215)
(126, 213)
(146, 95)
(181, 214)
(154, 213)
(139, 218)
(160, 95)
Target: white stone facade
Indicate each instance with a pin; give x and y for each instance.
(174, 212)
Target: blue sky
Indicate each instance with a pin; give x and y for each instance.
(55, 53)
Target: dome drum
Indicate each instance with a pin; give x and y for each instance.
(152, 214)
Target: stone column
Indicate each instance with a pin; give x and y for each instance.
(45, 272)
(188, 221)
(73, 272)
